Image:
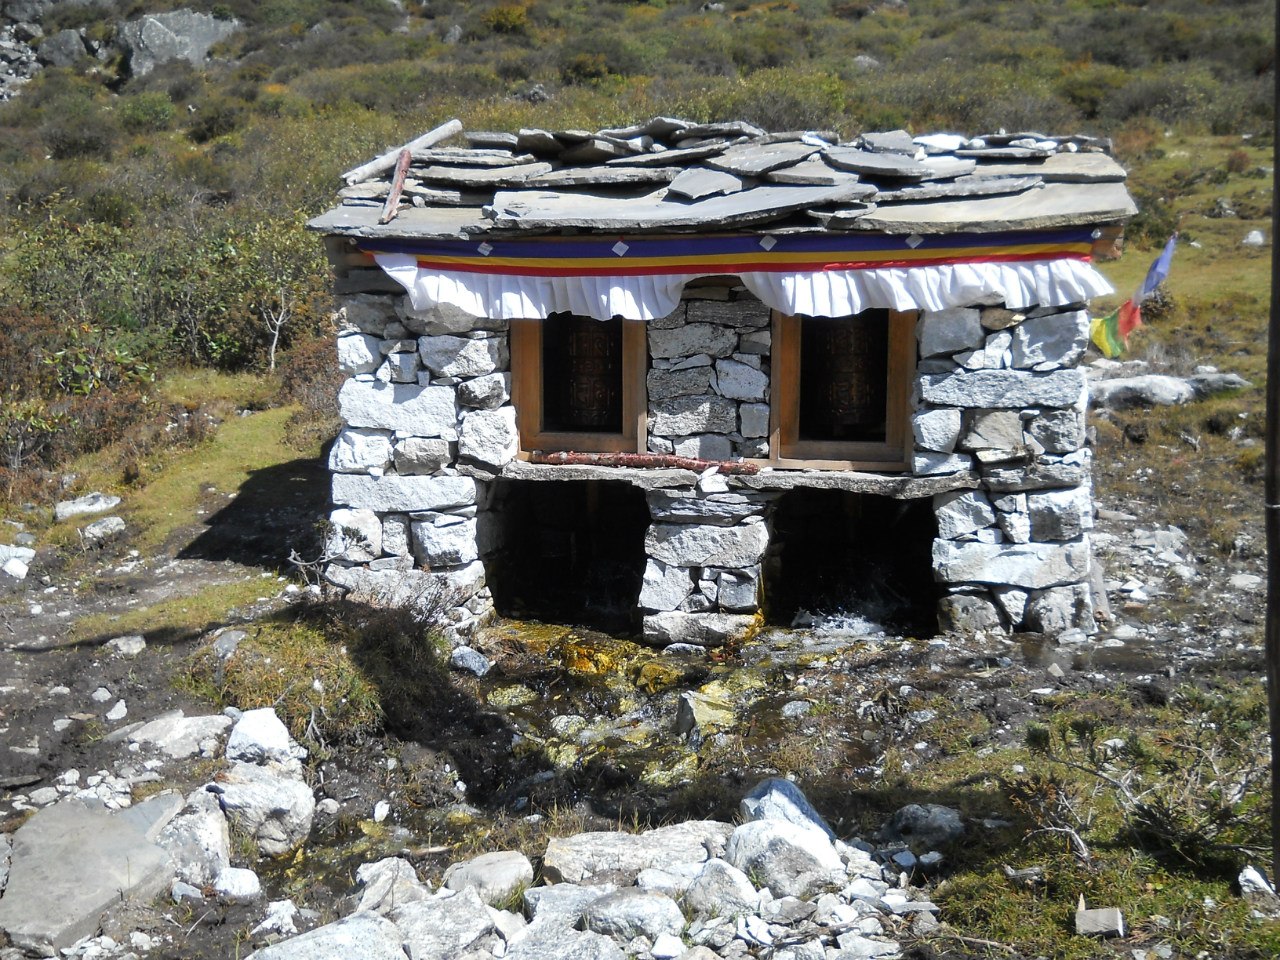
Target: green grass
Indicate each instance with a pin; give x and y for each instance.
(183, 617)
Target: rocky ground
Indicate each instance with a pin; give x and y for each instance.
(139, 818)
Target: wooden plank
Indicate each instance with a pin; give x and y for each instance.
(383, 163)
(397, 185)
(526, 379)
(635, 368)
(902, 365)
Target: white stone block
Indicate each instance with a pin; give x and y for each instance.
(395, 494)
(706, 446)
(684, 416)
(412, 410)
(1060, 514)
(1032, 566)
(445, 541)
(753, 419)
(448, 356)
(395, 535)
(1002, 389)
(693, 338)
(740, 381)
(950, 331)
(486, 393)
(691, 545)
(936, 429)
(421, 455)
(664, 586)
(933, 464)
(358, 451)
(359, 353)
(1047, 343)
(354, 535)
(489, 437)
(960, 513)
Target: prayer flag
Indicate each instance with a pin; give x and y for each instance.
(1158, 272)
(1105, 333)
(1110, 334)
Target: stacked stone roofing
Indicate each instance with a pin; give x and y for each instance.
(674, 176)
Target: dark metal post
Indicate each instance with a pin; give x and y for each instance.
(1272, 511)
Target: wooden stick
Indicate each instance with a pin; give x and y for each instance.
(574, 458)
(383, 163)
(389, 209)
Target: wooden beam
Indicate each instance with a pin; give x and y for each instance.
(397, 185)
(383, 163)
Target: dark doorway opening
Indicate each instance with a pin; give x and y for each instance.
(567, 552)
(854, 556)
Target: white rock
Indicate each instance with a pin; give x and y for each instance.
(102, 530)
(276, 810)
(447, 356)
(578, 858)
(1060, 514)
(389, 883)
(1056, 340)
(630, 913)
(118, 712)
(237, 885)
(1031, 566)
(789, 859)
(197, 839)
(354, 535)
(936, 429)
(393, 494)
(421, 455)
(442, 928)
(691, 339)
(666, 947)
(15, 568)
(720, 890)
(1254, 238)
(1008, 389)
(779, 799)
(960, 513)
(279, 920)
(359, 353)
(692, 545)
(414, 410)
(489, 437)
(356, 450)
(259, 736)
(363, 935)
(381, 810)
(1150, 390)
(89, 503)
(445, 540)
(177, 736)
(664, 586)
(100, 695)
(129, 646)
(486, 393)
(496, 877)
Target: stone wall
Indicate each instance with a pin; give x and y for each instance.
(998, 394)
(998, 417)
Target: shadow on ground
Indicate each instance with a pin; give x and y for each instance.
(276, 510)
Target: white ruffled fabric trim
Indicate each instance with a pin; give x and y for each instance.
(833, 293)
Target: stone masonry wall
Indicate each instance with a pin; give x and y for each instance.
(428, 418)
(997, 393)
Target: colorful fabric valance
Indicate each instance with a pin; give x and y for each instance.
(641, 278)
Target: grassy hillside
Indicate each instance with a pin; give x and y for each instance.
(153, 222)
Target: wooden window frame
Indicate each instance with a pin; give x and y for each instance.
(527, 394)
(786, 448)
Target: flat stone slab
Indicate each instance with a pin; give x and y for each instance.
(531, 210)
(90, 503)
(1059, 168)
(364, 935)
(700, 182)
(753, 160)
(876, 164)
(1050, 205)
(82, 859)
(179, 736)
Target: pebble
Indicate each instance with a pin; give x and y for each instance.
(381, 810)
(118, 712)
(101, 695)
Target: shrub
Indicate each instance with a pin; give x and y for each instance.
(215, 117)
(1237, 161)
(146, 112)
(77, 127)
(507, 18)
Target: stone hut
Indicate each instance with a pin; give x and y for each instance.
(685, 374)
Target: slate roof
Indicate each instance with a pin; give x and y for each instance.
(674, 176)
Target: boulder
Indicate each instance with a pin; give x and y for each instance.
(275, 809)
(562, 904)
(779, 799)
(179, 737)
(100, 531)
(924, 826)
(179, 35)
(197, 840)
(62, 49)
(388, 884)
(442, 927)
(630, 913)
(565, 945)
(81, 859)
(364, 935)
(721, 890)
(496, 877)
(618, 857)
(790, 860)
(1149, 390)
(259, 736)
(237, 885)
(88, 504)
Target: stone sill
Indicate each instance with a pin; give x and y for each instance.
(898, 486)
